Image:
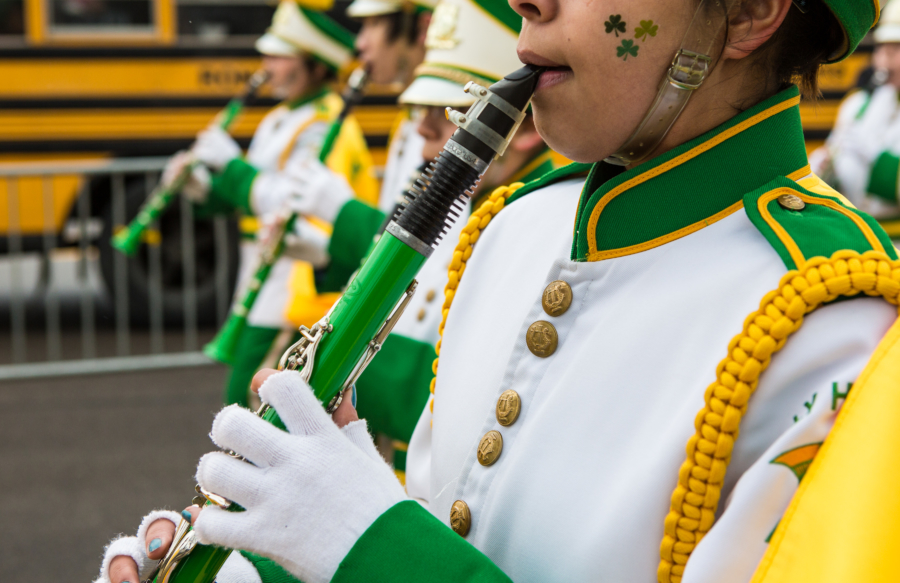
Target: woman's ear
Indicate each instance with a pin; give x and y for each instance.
(755, 23)
(527, 137)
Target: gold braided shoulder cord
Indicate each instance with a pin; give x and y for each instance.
(818, 281)
(478, 221)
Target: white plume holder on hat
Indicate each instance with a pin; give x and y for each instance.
(467, 43)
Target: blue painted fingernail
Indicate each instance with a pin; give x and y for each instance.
(186, 515)
(353, 396)
(155, 544)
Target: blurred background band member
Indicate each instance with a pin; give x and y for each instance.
(302, 52)
(391, 44)
(395, 387)
(862, 155)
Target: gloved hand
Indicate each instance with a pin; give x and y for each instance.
(214, 148)
(305, 186)
(309, 494)
(196, 189)
(127, 559)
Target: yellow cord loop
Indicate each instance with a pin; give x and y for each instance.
(478, 221)
(780, 314)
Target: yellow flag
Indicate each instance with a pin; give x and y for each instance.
(843, 523)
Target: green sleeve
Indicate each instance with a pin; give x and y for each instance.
(269, 571)
(407, 543)
(230, 189)
(354, 230)
(393, 390)
(884, 177)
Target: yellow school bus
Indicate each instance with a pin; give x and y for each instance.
(107, 79)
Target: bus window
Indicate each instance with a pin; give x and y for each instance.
(12, 20)
(215, 22)
(99, 22)
(120, 16)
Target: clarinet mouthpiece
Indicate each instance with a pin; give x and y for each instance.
(485, 130)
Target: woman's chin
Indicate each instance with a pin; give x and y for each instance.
(569, 139)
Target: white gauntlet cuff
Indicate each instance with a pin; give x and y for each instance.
(124, 546)
(238, 569)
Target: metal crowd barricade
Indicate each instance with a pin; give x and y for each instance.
(82, 230)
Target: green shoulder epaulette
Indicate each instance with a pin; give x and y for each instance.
(563, 173)
(801, 224)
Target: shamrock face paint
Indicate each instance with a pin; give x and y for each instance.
(615, 24)
(647, 28)
(585, 50)
(628, 47)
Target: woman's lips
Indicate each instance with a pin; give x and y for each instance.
(554, 76)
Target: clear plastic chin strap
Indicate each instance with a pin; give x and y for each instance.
(689, 70)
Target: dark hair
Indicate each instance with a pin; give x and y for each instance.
(404, 24)
(329, 73)
(801, 45)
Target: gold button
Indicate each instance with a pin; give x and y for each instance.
(542, 339)
(490, 447)
(421, 314)
(557, 298)
(429, 297)
(460, 518)
(791, 202)
(508, 406)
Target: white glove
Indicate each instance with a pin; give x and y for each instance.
(306, 187)
(215, 148)
(196, 189)
(311, 493)
(236, 569)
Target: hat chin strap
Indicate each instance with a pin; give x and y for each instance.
(689, 69)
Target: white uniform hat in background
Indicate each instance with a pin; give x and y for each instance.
(299, 27)
(888, 30)
(468, 40)
(363, 8)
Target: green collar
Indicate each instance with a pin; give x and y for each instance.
(691, 186)
(301, 101)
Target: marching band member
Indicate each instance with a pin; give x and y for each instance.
(391, 44)
(862, 155)
(302, 51)
(583, 418)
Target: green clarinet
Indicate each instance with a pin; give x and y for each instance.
(128, 239)
(332, 354)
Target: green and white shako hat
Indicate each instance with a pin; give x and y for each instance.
(888, 30)
(300, 27)
(468, 40)
(856, 17)
(363, 8)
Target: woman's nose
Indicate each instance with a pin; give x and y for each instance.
(536, 10)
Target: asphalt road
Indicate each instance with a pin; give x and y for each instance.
(85, 457)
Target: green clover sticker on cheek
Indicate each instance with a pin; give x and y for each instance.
(628, 48)
(646, 28)
(615, 24)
